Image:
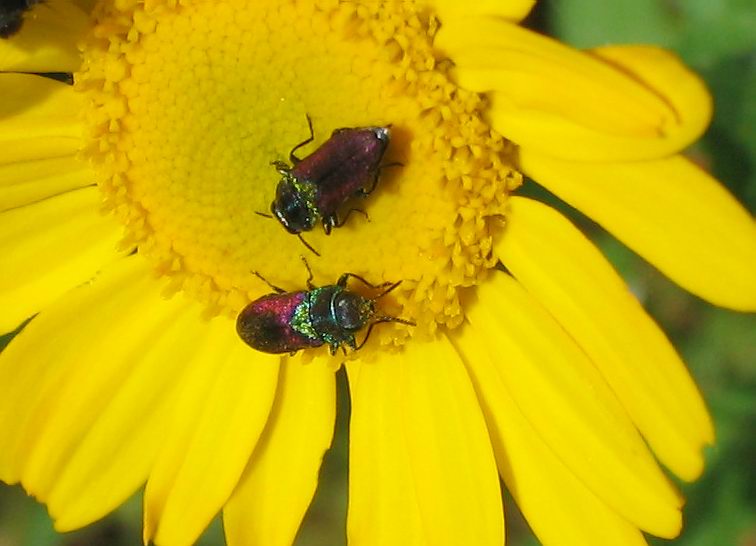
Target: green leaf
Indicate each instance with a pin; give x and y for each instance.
(588, 23)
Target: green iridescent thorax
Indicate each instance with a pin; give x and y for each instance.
(335, 342)
(301, 321)
(307, 191)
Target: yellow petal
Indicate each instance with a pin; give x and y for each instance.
(43, 147)
(664, 72)
(273, 495)
(47, 40)
(48, 248)
(29, 181)
(39, 118)
(421, 468)
(449, 11)
(575, 283)
(563, 102)
(225, 398)
(558, 506)
(382, 504)
(115, 456)
(37, 106)
(570, 405)
(671, 213)
(49, 369)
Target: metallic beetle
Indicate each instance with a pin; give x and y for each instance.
(314, 188)
(285, 322)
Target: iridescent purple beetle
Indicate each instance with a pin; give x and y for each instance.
(285, 322)
(314, 188)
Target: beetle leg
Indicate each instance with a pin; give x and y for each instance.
(367, 335)
(294, 159)
(392, 164)
(338, 223)
(362, 192)
(275, 288)
(329, 222)
(310, 286)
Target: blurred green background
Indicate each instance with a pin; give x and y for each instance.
(718, 39)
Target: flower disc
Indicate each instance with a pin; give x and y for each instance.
(194, 101)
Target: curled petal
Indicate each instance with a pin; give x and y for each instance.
(609, 105)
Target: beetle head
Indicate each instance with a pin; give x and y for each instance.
(351, 311)
(292, 208)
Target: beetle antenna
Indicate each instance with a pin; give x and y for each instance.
(305, 243)
(308, 246)
(394, 319)
(275, 288)
(378, 321)
(309, 272)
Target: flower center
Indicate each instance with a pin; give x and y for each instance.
(192, 102)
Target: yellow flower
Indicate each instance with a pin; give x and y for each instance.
(530, 359)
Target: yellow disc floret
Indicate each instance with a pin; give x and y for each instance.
(193, 100)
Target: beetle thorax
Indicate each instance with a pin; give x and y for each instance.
(294, 205)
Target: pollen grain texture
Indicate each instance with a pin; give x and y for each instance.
(191, 103)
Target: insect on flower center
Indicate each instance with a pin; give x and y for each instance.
(191, 105)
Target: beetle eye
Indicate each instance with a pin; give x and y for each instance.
(291, 210)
